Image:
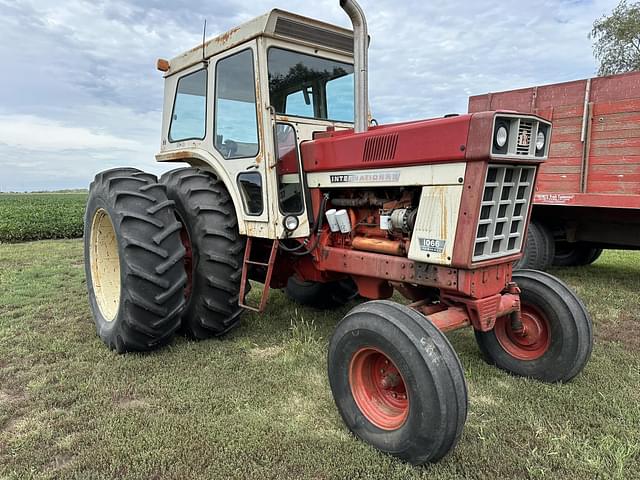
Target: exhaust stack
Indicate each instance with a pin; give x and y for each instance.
(361, 64)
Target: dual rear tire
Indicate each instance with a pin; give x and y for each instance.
(160, 256)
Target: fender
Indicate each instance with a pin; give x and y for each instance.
(197, 157)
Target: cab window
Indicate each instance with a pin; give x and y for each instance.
(188, 121)
(236, 125)
(308, 86)
(288, 170)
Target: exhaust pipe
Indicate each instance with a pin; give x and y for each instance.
(361, 64)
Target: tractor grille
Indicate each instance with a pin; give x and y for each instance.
(503, 211)
(525, 130)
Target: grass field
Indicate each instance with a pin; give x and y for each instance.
(257, 404)
(37, 216)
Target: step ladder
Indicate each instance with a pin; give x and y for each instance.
(245, 270)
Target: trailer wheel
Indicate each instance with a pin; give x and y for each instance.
(321, 295)
(133, 260)
(539, 249)
(397, 382)
(214, 248)
(557, 336)
(548, 248)
(575, 254)
(532, 249)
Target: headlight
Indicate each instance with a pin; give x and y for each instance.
(540, 140)
(291, 223)
(501, 137)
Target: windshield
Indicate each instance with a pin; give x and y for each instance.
(307, 86)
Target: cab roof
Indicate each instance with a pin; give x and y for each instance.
(275, 24)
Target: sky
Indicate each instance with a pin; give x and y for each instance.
(79, 92)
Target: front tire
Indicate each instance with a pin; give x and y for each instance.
(397, 382)
(133, 260)
(558, 335)
(215, 251)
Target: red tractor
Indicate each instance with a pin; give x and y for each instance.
(289, 187)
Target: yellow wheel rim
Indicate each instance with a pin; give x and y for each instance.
(105, 265)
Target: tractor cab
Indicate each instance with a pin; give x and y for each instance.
(242, 103)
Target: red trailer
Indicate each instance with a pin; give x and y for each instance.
(588, 192)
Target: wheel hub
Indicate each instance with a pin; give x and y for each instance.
(529, 342)
(105, 265)
(378, 389)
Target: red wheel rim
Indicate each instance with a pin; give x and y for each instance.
(529, 343)
(378, 389)
(188, 259)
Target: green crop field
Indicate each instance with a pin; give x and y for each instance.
(257, 403)
(37, 216)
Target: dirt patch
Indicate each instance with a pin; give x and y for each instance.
(14, 424)
(622, 331)
(267, 352)
(11, 397)
(59, 462)
(483, 400)
(129, 401)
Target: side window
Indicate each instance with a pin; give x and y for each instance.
(287, 168)
(340, 98)
(250, 184)
(188, 121)
(236, 126)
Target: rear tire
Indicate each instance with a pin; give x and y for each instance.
(210, 234)
(133, 260)
(320, 295)
(397, 382)
(559, 334)
(575, 254)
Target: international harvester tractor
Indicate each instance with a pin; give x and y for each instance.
(292, 187)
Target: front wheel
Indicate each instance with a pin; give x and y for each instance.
(397, 382)
(556, 337)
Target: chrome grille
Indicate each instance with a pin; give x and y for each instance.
(503, 211)
(525, 131)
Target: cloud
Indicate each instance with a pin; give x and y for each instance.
(38, 134)
(80, 92)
